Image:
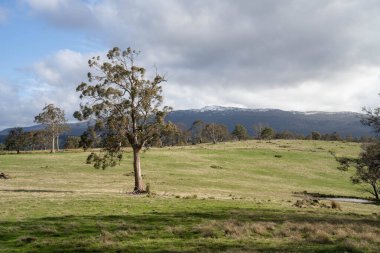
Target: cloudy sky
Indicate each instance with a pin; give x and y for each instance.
(288, 54)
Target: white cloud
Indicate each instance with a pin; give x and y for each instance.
(65, 68)
(16, 109)
(294, 55)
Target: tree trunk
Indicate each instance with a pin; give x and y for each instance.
(58, 142)
(52, 144)
(375, 191)
(137, 171)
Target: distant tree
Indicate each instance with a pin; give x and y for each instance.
(316, 135)
(372, 118)
(2, 146)
(258, 128)
(72, 142)
(16, 140)
(39, 139)
(331, 137)
(89, 138)
(285, 135)
(267, 133)
(335, 137)
(367, 167)
(349, 137)
(215, 132)
(54, 119)
(196, 130)
(240, 132)
(221, 132)
(184, 134)
(126, 103)
(169, 135)
(209, 131)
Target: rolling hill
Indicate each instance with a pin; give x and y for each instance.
(344, 123)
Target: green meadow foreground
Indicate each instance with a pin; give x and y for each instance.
(229, 197)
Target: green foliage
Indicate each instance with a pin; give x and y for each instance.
(267, 133)
(72, 142)
(367, 167)
(372, 118)
(316, 135)
(215, 133)
(126, 104)
(170, 135)
(54, 119)
(110, 159)
(89, 138)
(240, 132)
(17, 140)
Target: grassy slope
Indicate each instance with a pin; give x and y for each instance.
(243, 201)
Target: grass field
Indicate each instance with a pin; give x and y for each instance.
(229, 197)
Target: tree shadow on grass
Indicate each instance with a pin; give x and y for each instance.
(35, 190)
(171, 232)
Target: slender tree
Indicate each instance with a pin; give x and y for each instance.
(125, 103)
(196, 130)
(54, 119)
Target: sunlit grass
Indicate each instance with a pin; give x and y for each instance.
(232, 197)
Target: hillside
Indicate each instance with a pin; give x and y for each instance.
(344, 123)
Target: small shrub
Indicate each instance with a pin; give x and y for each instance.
(147, 188)
(320, 236)
(27, 239)
(259, 228)
(278, 156)
(207, 230)
(335, 205)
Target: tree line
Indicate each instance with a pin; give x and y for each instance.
(169, 134)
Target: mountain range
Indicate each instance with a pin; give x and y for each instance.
(344, 123)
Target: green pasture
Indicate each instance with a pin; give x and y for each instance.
(229, 197)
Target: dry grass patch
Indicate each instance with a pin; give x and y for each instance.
(209, 229)
(351, 235)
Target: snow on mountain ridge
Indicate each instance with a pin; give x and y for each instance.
(225, 108)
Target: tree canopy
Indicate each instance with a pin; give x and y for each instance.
(54, 119)
(240, 132)
(126, 104)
